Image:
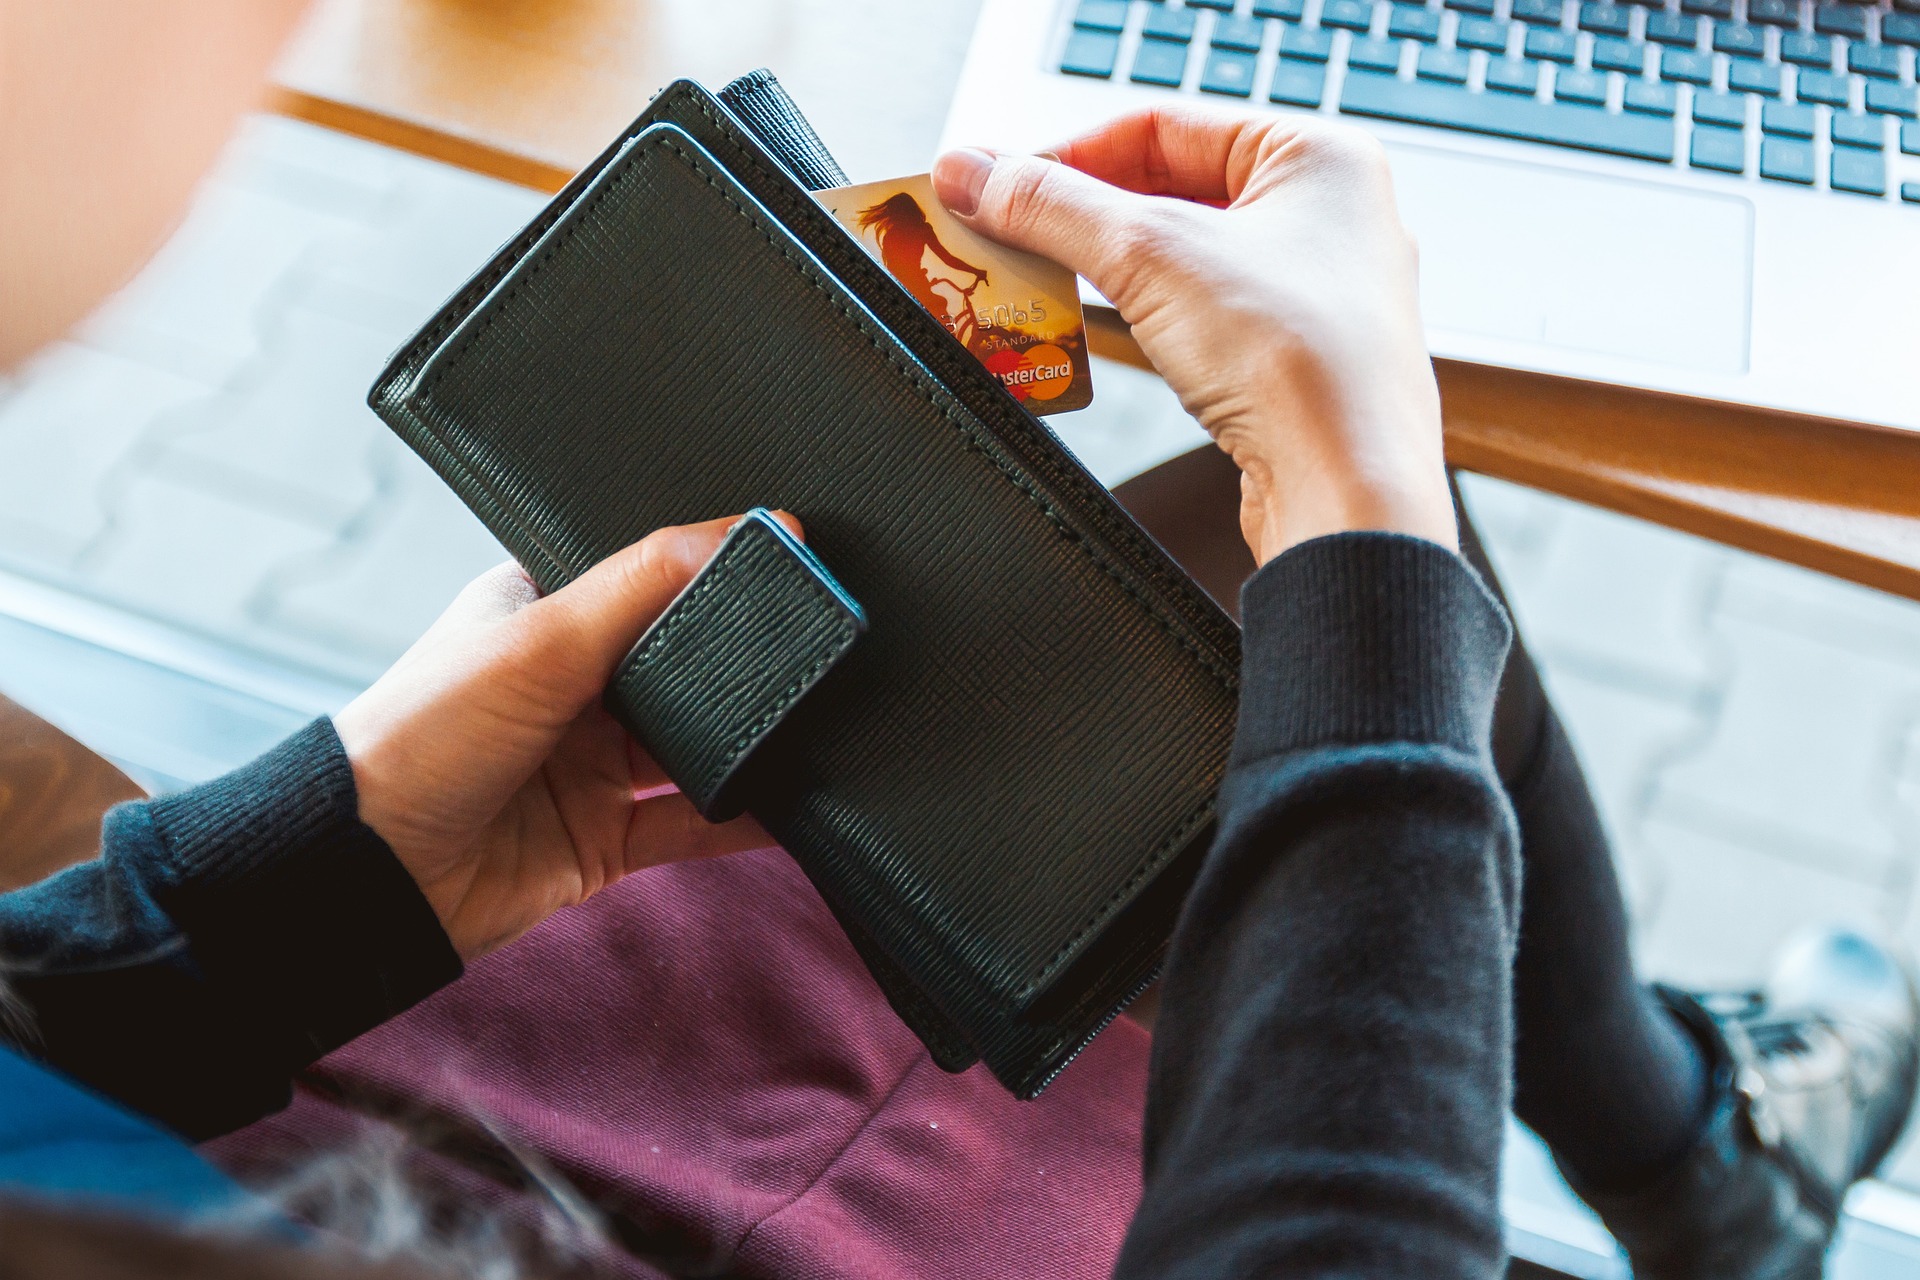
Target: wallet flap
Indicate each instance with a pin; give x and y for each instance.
(716, 674)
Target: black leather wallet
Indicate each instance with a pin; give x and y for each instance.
(989, 719)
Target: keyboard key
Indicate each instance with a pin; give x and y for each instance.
(1788, 119)
(1298, 84)
(1729, 109)
(1551, 46)
(1786, 160)
(1673, 28)
(1717, 148)
(1167, 24)
(1090, 53)
(1773, 13)
(1684, 64)
(1482, 7)
(1874, 60)
(1513, 75)
(1225, 6)
(1859, 131)
(1228, 71)
(1910, 192)
(1900, 28)
(1481, 33)
(1306, 44)
(1448, 65)
(1160, 62)
(1862, 172)
(1821, 86)
(1910, 137)
(1848, 20)
(1508, 116)
(1619, 55)
(1374, 55)
(1287, 9)
(1412, 22)
(1651, 97)
(1243, 34)
(1605, 19)
(1807, 51)
(1354, 15)
(1739, 39)
(1708, 8)
(1539, 12)
(1894, 99)
(1101, 15)
(1745, 76)
(1589, 87)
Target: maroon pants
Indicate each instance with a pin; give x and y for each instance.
(699, 1051)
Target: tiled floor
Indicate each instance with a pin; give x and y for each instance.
(202, 455)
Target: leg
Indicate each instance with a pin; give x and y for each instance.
(1602, 1071)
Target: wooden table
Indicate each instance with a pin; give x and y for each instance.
(529, 90)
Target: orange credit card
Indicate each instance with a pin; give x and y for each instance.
(1019, 314)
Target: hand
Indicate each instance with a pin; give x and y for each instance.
(485, 759)
(1265, 272)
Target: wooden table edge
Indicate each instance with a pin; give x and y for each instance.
(434, 143)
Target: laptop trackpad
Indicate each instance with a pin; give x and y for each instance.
(1545, 255)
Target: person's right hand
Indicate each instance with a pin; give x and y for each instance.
(1265, 272)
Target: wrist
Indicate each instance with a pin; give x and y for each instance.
(1283, 507)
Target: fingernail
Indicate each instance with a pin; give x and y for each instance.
(960, 176)
(1048, 155)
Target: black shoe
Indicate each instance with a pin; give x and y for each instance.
(1812, 1080)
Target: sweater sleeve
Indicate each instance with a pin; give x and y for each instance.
(225, 937)
(1331, 1063)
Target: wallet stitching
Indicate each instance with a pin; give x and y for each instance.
(1152, 861)
(1148, 866)
(842, 633)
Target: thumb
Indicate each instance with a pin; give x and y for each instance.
(586, 627)
(1041, 206)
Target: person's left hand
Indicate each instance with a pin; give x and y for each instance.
(484, 758)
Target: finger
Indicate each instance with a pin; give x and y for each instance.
(500, 592)
(1089, 226)
(1193, 153)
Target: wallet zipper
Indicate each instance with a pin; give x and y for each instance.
(1120, 1008)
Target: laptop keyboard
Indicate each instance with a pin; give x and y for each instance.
(1812, 94)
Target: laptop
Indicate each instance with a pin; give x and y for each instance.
(1712, 198)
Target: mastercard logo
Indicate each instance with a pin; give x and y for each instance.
(1041, 372)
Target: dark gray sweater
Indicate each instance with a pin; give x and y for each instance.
(1331, 1065)
(1332, 1059)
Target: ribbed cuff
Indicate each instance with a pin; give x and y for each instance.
(292, 904)
(1368, 637)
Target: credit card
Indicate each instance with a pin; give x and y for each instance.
(1019, 314)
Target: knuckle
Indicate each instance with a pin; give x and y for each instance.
(1149, 241)
(1342, 146)
(1025, 194)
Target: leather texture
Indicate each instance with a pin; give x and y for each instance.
(716, 674)
(1005, 788)
(761, 103)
